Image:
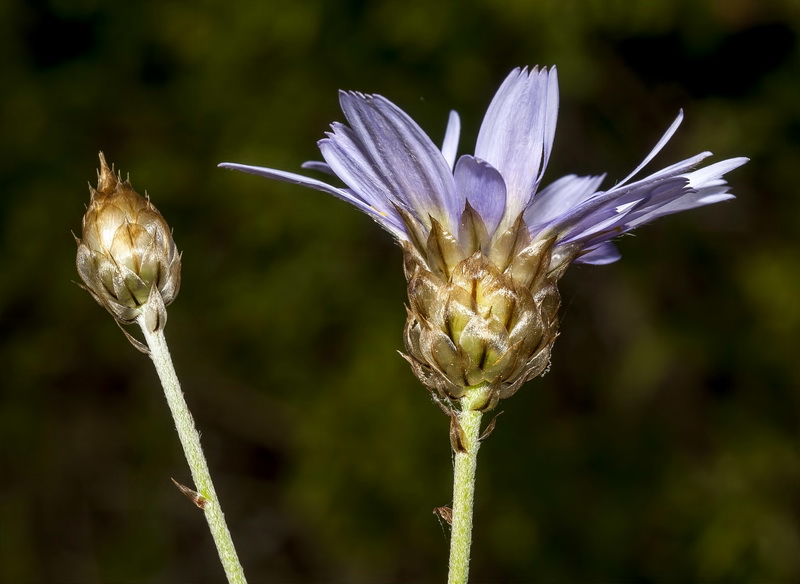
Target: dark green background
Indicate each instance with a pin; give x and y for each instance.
(661, 447)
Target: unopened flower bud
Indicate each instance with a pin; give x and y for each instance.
(127, 258)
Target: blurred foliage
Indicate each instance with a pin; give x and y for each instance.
(662, 446)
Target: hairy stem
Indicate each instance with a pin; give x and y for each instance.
(190, 440)
(464, 489)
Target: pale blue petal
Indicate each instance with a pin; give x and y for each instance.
(319, 166)
(651, 201)
(661, 143)
(517, 133)
(402, 157)
(483, 187)
(551, 120)
(622, 209)
(561, 196)
(602, 222)
(603, 210)
(672, 170)
(706, 187)
(601, 255)
(349, 160)
(711, 174)
(391, 223)
(690, 200)
(451, 136)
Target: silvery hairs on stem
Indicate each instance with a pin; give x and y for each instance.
(483, 245)
(127, 258)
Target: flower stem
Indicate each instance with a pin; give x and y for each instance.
(464, 489)
(190, 440)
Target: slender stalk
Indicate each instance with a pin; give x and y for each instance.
(464, 490)
(190, 440)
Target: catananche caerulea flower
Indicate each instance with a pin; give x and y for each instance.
(483, 246)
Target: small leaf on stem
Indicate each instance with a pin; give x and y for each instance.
(192, 495)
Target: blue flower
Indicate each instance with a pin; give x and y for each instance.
(394, 173)
(483, 247)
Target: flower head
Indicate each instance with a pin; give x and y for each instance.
(484, 247)
(127, 258)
